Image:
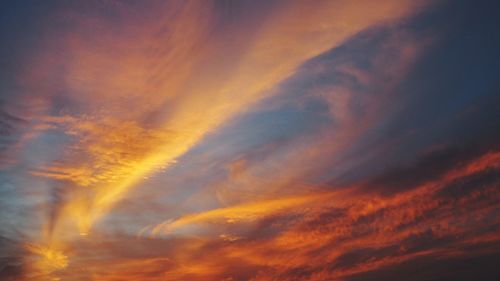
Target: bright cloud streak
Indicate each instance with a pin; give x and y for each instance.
(200, 100)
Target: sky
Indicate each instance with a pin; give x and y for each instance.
(342, 140)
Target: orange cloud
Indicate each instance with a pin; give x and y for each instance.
(334, 236)
(245, 212)
(161, 79)
(140, 90)
(45, 261)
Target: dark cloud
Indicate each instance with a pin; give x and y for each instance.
(11, 128)
(448, 97)
(362, 255)
(11, 260)
(475, 183)
(428, 167)
(8, 123)
(434, 268)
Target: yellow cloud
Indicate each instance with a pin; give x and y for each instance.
(159, 83)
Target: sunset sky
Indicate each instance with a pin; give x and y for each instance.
(235, 140)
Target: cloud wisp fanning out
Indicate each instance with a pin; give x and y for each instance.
(183, 99)
(247, 140)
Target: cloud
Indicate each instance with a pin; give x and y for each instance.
(345, 235)
(246, 212)
(349, 234)
(428, 167)
(265, 141)
(169, 60)
(9, 136)
(11, 259)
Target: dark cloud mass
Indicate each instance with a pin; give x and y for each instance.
(11, 259)
(250, 140)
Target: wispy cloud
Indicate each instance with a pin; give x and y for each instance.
(185, 99)
(273, 140)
